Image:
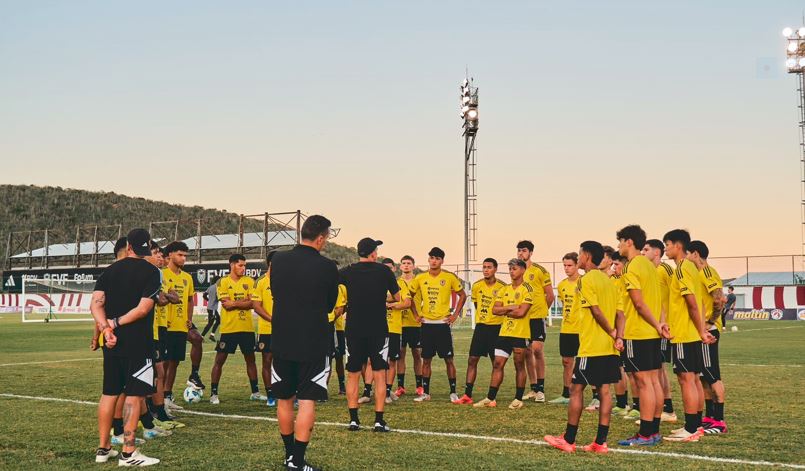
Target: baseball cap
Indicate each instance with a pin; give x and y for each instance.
(517, 262)
(367, 245)
(140, 241)
(436, 252)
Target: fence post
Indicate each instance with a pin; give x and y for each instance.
(747, 270)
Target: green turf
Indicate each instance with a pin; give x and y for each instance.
(762, 365)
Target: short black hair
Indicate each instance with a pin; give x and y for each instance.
(526, 244)
(164, 252)
(657, 244)
(634, 233)
(388, 260)
(121, 244)
(609, 252)
(236, 257)
(617, 257)
(595, 249)
(409, 258)
(571, 256)
(700, 248)
(492, 261)
(152, 244)
(315, 226)
(269, 256)
(678, 235)
(176, 246)
(731, 288)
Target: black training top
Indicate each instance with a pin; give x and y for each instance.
(304, 284)
(367, 284)
(125, 283)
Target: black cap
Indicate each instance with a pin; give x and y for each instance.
(436, 252)
(140, 241)
(366, 246)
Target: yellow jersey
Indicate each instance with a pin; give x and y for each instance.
(509, 295)
(236, 320)
(262, 294)
(394, 316)
(684, 282)
(664, 274)
(436, 294)
(538, 278)
(640, 274)
(484, 296)
(711, 281)
(160, 312)
(595, 289)
(570, 317)
(408, 319)
(341, 300)
(182, 283)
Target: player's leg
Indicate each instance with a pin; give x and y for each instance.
(379, 362)
(444, 348)
(416, 354)
(215, 375)
(150, 429)
(538, 349)
(401, 370)
(634, 386)
(644, 382)
(106, 410)
(394, 343)
(498, 369)
(340, 351)
(668, 414)
(196, 350)
(208, 327)
(520, 377)
(472, 374)
(133, 409)
(687, 361)
(567, 441)
(713, 422)
(428, 342)
(356, 354)
(568, 348)
(621, 407)
(368, 380)
(247, 346)
(266, 374)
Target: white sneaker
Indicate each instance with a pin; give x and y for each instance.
(102, 456)
(453, 397)
(156, 432)
(118, 440)
(594, 405)
(540, 397)
(214, 399)
(422, 398)
(394, 397)
(169, 404)
(137, 459)
(389, 400)
(258, 397)
(364, 400)
(530, 395)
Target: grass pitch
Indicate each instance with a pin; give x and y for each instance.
(762, 365)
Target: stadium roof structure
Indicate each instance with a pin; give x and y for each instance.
(769, 278)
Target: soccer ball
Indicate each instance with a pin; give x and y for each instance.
(735, 328)
(192, 395)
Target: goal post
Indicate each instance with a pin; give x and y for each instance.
(45, 300)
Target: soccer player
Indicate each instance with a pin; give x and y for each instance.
(688, 332)
(123, 309)
(713, 301)
(511, 304)
(436, 288)
(339, 345)
(642, 306)
(487, 324)
(540, 280)
(394, 310)
(237, 327)
(597, 363)
(569, 332)
(263, 305)
(654, 250)
(411, 332)
(305, 288)
(368, 283)
(213, 318)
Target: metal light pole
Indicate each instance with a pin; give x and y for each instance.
(469, 113)
(795, 63)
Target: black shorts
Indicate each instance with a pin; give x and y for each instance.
(263, 343)
(597, 371)
(411, 337)
(307, 380)
(687, 357)
(175, 346)
(160, 346)
(132, 376)
(665, 350)
(504, 346)
(483, 340)
(340, 343)
(641, 355)
(537, 330)
(711, 371)
(361, 350)
(230, 342)
(568, 345)
(436, 340)
(394, 346)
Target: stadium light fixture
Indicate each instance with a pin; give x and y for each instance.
(795, 63)
(787, 32)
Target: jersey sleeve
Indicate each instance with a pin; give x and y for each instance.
(456, 284)
(152, 285)
(711, 280)
(474, 293)
(587, 295)
(404, 293)
(100, 285)
(257, 292)
(342, 296)
(630, 280)
(546, 277)
(413, 286)
(528, 295)
(687, 282)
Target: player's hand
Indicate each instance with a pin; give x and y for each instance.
(619, 344)
(189, 323)
(226, 303)
(173, 297)
(451, 319)
(707, 338)
(418, 319)
(109, 337)
(664, 331)
(93, 344)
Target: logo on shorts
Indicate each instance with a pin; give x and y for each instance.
(776, 314)
(146, 373)
(222, 345)
(261, 346)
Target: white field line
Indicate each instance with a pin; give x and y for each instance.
(713, 459)
(764, 328)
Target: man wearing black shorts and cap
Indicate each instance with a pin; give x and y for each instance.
(123, 309)
(304, 285)
(368, 283)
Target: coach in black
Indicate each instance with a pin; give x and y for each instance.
(123, 309)
(368, 283)
(305, 287)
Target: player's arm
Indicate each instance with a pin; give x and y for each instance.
(602, 321)
(695, 316)
(549, 296)
(162, 299)
(462, 298)
(399, 303)
(258, 308)
(620, 324)
(338, 312)
(636, 295)
(241, 304)
(140, 311)
(500, 310)
(97, 308)
(191, 304)
(719, 301)
(519, 311)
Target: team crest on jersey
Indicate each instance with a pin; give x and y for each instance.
(516, 296)
(531, 276)
(184, 282)
(494, 293)
(441, 282)
(245, 286)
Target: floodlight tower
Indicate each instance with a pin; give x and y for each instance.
(795, 63)
(469, 113)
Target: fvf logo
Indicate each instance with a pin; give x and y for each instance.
(10, 282)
